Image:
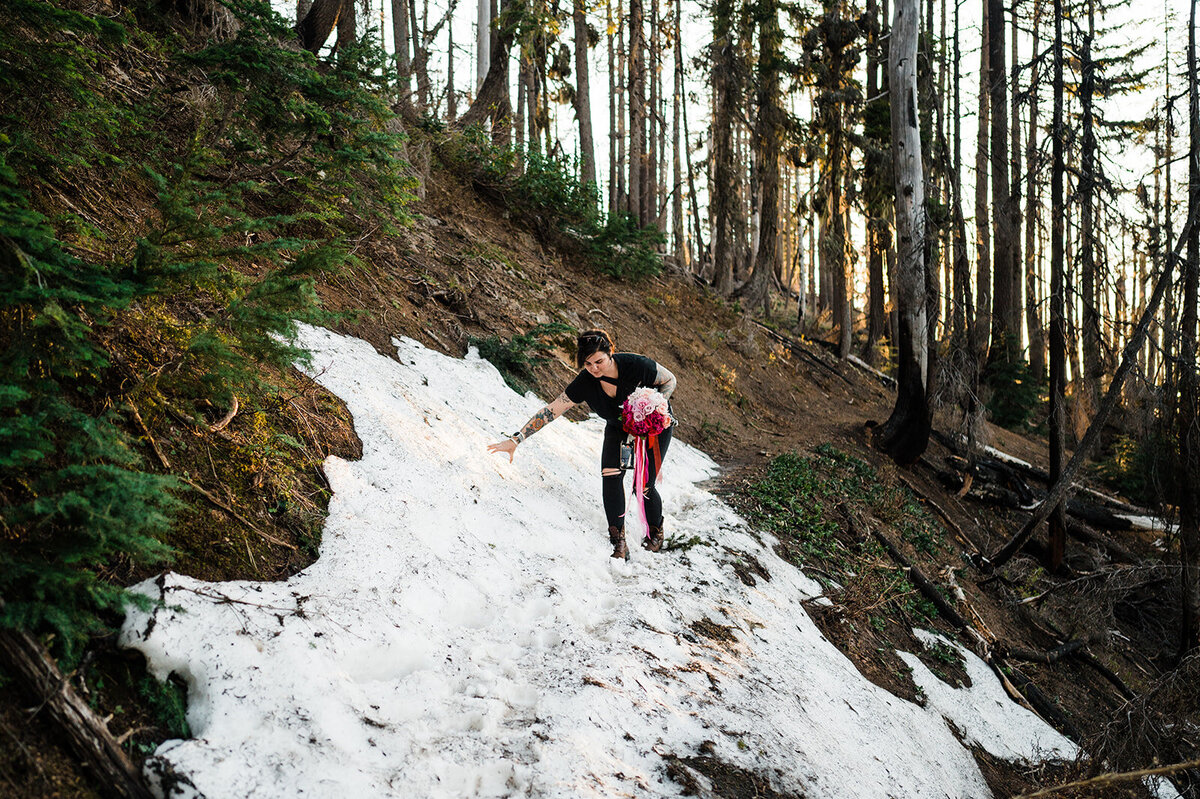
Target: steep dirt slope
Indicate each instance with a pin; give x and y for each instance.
(746, 394)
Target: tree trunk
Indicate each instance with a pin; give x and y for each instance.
(637, 113)
(483, 41)
(1004, 347)
(1058, 343)
(681, 250)
(85, 733)
(451, 94)
(319, 22)
(766, 135)
(722, 146)
(1016, 271)
(302, 9)
(347, 27)
(905, 434)
(878, 235)
(622, 115)
(1189, 412)
(650, 165)
(612, 111)
(1090, 318)
(421, 54)
(583, 103)
(401, 40)
(491, 102)
(983, 239)
(699, 251)
(1033, 320)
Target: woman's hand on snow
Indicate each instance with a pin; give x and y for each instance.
(507, 445)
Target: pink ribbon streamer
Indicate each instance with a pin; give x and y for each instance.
(641, 470)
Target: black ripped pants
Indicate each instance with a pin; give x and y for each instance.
(614, 485)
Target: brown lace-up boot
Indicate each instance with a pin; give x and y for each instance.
(655, 542)
(616, 537)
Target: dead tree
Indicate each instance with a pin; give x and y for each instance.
(905, 434)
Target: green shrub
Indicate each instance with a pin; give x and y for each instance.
(1142, 468)
(623, 250)
(515, 358)
(73, 495)
(1014, 395)
(546, 192)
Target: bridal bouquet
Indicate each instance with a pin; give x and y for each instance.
(645, 413)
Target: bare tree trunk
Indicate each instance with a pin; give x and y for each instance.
(637, 113)
(699, 251)
(722, 146)
(905, 434)
(1016, 271)
(766, 135)
(650, 165)
(451, 94)
(85, 733)
(681, 249)
(1189, 401)
(622, 116)
(401, 41)
(421, 39)
(492, 100)
(522, 101)
(302, 9)
(583, 103)
(842, 287)
(612, 111)
(983, 239)
(1090, 322)
(1058, 343)
(878, 235)
(319, 22)
(1003, 307)
(1033, 320)
(483, 41)
(347, 27)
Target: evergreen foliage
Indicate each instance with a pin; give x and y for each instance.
(515, 358)
(284, 156)
(73, 493)
(547, 192)
(1014, 392)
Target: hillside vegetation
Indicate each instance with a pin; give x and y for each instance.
(172, 202)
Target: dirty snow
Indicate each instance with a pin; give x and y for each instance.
(462, 632)
(983, 712)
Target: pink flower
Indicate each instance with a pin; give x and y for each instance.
(645, 413)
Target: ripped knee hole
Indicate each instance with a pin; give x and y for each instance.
(610, 472)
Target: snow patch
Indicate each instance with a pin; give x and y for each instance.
(462, 632)
(983, 713)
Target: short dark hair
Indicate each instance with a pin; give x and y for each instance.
(590, 342)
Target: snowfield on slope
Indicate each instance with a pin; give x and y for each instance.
(462, 632)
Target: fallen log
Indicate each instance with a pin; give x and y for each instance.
(86, 734)
(1044, 705)
(924, 585)
(995, 458)
(999, 496)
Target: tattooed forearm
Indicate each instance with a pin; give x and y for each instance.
(540, 419)
(563, 398)
(665, 381)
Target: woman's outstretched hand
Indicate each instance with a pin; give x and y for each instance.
(507, 445)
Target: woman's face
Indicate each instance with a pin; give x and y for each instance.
(597, 362)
